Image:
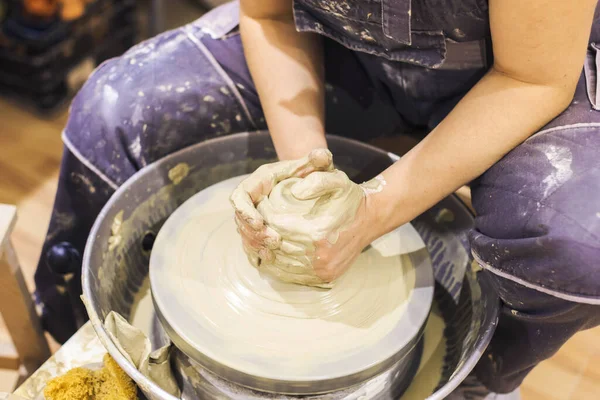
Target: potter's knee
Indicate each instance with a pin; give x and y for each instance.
(550, 246)
(136, 108)
(100, 127)
(538, 215)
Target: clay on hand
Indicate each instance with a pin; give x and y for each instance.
(296, 213)
(258, 239)
(304, 212)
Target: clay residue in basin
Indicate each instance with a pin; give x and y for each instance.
(115, 237)
(179, 172)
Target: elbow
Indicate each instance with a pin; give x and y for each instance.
(569, 95)
(554, 90)
(556, 94)
(561, 98)
(564, 90)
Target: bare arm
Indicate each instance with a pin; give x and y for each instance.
(539, 49)
(287, 69)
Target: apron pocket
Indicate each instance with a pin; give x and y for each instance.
(591, 65)
(396, 18)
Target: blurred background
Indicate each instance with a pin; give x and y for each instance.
(48, 48)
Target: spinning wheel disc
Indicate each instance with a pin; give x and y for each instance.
(274, 336)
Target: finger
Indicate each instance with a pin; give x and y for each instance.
(260, 183)
(249, 246)
(318, 184)
(252, 242)
(292, 248)
(257, 255)
(251, 255)
(244, 208)
(320, 159)
(265, 237)
(246, 230)
(327, 274)
(266, 256)
(272, 238)
(317, 160)
(253, 260)
(296, 265)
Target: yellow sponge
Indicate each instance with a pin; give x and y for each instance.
(108, 383)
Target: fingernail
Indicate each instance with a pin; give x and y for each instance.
(272, 239)
(265, 255)
(255, 224)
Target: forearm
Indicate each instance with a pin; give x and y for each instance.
(493, 118)
(287, 69)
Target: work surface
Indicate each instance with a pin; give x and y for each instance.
(30, 151)
(83, 348)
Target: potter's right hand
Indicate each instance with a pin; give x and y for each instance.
(258, 239)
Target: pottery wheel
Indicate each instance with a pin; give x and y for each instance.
(274, 336)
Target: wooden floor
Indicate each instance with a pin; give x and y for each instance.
(30, 151)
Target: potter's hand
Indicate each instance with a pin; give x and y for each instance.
(338, 250)
(258, 239)
(332, 260)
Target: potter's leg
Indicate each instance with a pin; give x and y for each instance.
(538, 234)
(161, 96)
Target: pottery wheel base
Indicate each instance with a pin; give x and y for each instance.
(278, 337)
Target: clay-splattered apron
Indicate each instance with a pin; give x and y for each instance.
(391, 66)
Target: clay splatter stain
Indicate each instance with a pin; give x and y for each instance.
(178, 173)
(115, 230)
(560, 158)
(83, 179)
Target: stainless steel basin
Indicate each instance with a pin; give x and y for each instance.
(116, 258)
